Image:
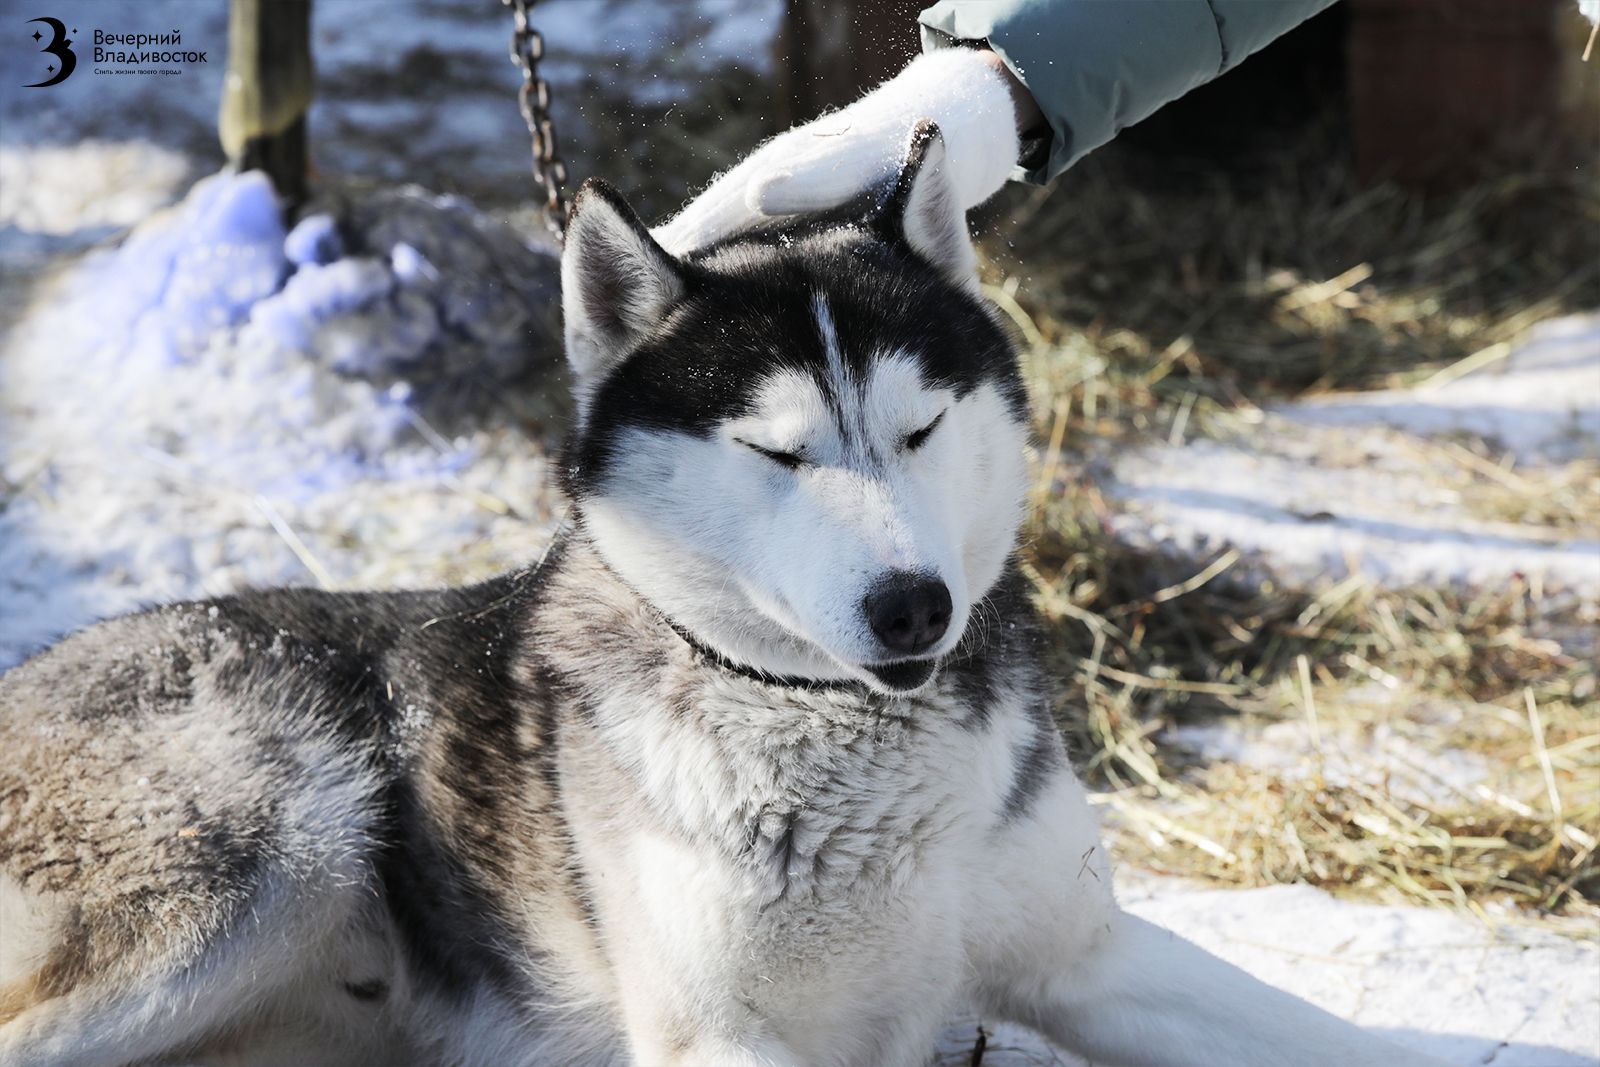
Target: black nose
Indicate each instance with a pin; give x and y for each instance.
(909, 612)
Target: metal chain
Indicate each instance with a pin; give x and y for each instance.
(527, 48)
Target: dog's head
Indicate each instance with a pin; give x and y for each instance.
(805, 447)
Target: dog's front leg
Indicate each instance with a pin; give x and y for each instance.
(678, 1022)
(674, 1048)
(1141, 995)
(1057, 954)
(682, 1006)
(687, 999)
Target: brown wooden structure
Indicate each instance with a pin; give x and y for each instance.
(1443, 90)
(267, 91)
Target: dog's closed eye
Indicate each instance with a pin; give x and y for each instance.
(791, 460)
(917, 438)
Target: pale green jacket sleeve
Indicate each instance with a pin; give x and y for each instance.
(1096, 66)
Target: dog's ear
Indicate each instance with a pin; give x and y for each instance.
(922, 209)
(616, 281)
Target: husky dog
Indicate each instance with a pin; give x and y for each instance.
(754, 769)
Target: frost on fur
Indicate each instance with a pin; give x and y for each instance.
(923, 208)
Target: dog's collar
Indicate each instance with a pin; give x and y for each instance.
(784, 681)
(705, 653)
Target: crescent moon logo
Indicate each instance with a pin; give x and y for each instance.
(60, 46)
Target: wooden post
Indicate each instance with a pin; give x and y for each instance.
(267, 91)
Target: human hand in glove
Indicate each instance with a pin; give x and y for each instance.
(978, 105)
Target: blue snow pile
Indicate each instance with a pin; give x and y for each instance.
(161, 295)
(430, 293)
(220, 401)
(290, 362)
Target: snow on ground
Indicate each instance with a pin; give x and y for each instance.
(1381, 755)
(1540, 401)
(217, 403)
(1428, 980)
(1359, 482)
(56, 198)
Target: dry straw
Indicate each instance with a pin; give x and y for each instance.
(1430, 745)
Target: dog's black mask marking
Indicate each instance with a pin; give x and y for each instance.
(747, 311)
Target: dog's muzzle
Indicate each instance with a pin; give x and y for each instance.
(906, 675)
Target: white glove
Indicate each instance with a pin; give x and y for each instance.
(831, 160)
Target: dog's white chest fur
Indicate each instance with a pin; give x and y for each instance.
(816, 858)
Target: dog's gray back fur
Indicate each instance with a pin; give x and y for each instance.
(398, 779)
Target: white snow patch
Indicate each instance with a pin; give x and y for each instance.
(52, 189)
(1352, 483)
(1382, 757)
(1541, 403)
(590, 32)
(1429, 980)
(61, 199)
